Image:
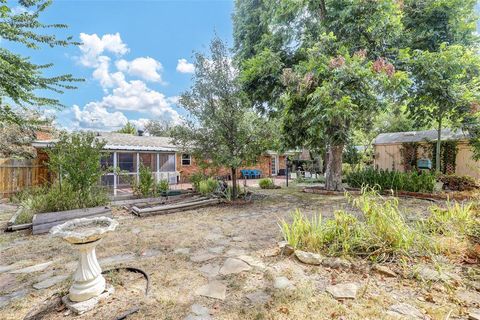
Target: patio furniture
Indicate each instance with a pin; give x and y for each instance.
(245, 173)
(256, 173)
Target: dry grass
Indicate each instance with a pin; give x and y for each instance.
(175, 278)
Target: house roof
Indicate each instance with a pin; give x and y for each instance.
(122, 141)
(419, 136)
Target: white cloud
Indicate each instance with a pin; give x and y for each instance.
(94, 116)
(144, 67)
(120, 94)
(183, 66)
(93, 46)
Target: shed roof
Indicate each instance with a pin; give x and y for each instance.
(122, 141)
(419, 136)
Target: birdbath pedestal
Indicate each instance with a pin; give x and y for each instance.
(84, 235)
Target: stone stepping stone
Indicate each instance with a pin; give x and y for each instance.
(474, 314)
(214, 289)
(5, 300)
(282, 283)
(199, 310)
(238, 239)
(216, 250)
(210, 270)
(150, 253)
(119, 258)
(202, 256)
(343, 290)
(8, 282)
(258, 297)
(10, 267)
(50, 282)
(235, 252)
(184, 251)
(34, 268)
(405, 309)
(254, 262)
(233, 266)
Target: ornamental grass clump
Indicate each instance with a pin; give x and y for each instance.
(266, 183)
(380, 232)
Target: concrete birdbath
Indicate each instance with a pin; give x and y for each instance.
(84, 235)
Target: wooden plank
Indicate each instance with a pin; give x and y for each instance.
(41, 218)
(45, 227)
(174, 207)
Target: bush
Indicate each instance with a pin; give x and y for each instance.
(392, 180)
(208, 186)
(163, 186)
(196, 178)
(145, 186)
(58, 198)
(459, 183)
(266, 183)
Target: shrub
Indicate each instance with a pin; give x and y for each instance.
(163, 186)
(196, 178)
(208, 186)
(392, 180)
(145, 186)
(266, 183)
(59, 197)
(459, 183)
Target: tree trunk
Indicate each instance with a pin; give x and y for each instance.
(438, 146)
(323, 10)
(234, 183)
(333, 179)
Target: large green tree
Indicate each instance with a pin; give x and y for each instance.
(222, 128)
(327, 104)
(446, 87)
(23, 82)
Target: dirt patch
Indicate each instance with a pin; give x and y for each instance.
(164, 245)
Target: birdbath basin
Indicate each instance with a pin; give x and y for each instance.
(85, 234)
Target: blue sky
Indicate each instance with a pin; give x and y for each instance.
(130, 57)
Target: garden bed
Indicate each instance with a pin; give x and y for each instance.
(418, 195)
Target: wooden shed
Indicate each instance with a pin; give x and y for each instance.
(400, 151)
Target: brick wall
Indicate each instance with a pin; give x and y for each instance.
(263, 164)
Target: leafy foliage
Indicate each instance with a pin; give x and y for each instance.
(459, 183)
(145, 186)
(163, 186)
(221, 129)
(446, 87)
(208, 186)
(128, 128)
(266, 183)
(391, 180)
(158, 128)
(75, 158)
(20, 79)
(58, 197)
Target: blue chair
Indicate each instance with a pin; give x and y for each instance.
(257, 173)
(252, 174)
(245, 173)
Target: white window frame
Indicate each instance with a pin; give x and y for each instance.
(189, 159)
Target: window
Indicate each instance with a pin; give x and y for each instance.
(186, 159)
(127, 162)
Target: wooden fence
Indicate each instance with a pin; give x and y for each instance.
(16, 175)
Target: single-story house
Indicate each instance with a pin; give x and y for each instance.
(127, 152)
(401, 151)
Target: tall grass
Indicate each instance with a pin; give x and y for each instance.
(380, 232)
